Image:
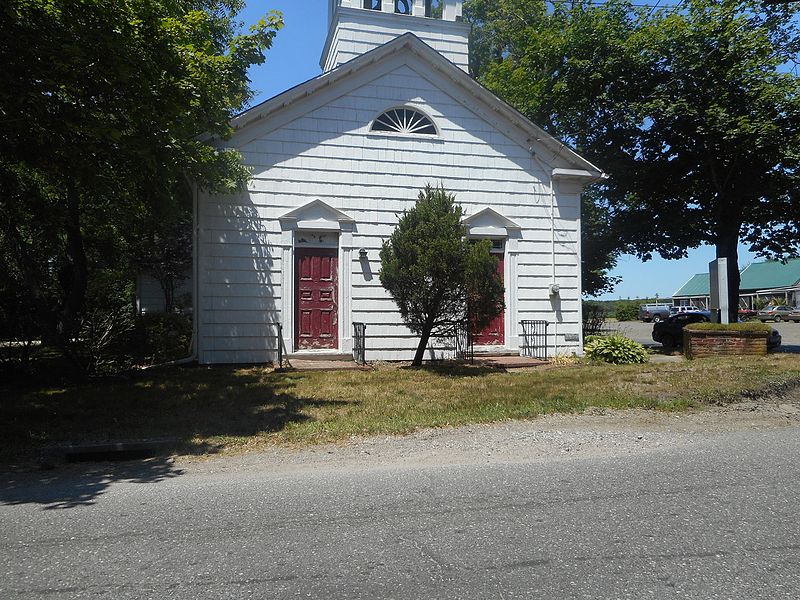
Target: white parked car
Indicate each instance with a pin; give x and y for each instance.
(679, 310)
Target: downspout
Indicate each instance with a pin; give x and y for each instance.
(193, 345)
(553, 257)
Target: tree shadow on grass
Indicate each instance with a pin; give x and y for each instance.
(448, 368)
(196, 409)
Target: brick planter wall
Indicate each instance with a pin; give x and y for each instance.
(698, 344)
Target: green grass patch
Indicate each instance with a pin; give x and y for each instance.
(210, 409)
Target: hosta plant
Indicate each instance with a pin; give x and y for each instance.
(615, 349)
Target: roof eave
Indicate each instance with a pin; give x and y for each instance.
(448, 69)
(307, 88)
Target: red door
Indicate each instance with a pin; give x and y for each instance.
(494, 332)
(316, 276)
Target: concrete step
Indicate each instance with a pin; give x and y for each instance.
(321, 356)
(489, 353)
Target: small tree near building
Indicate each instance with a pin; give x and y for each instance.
(437, 276)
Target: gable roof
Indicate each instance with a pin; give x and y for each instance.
(763, 276)
(580, 167)
(316, 215)
(771, 274)
(698, 285)
(489, 217)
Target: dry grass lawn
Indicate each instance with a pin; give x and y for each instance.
(234, 409)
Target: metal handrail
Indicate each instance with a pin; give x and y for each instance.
(280, 345)
(360, 343)
(534, 338)
(463, 342)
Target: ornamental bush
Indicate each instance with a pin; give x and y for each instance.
(161, 337)
(616, 349)
(626, 310)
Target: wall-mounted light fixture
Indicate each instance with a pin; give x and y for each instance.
(362, 253)
(554, 289)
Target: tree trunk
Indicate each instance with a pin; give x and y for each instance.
(168, 289)
(728, 247)
(74, 282)
(75, 292)
(423, 344)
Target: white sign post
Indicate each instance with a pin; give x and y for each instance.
(718, 275)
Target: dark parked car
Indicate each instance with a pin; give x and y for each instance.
(669, 333)
(775, 313)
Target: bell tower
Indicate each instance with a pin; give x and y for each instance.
(358, 26)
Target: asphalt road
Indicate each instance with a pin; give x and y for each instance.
(713, 518)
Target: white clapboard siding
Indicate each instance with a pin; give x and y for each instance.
(358, 31)
(242, 357)
(240, 317)
(328, 154)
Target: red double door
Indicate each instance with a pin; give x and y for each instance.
(494, 333)
(317, 323)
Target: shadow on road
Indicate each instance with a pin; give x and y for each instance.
(80, 486)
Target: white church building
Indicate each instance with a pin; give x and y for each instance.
(293, 260)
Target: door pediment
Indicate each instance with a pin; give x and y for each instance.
(490, 223)
(316, 215)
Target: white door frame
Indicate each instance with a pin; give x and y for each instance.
(317, 216)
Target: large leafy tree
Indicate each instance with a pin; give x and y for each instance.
(439, 279)
(104, 111)
(691, 109)
(719, 148)
(570, 67)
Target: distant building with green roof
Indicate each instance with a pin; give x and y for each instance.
(769, 280)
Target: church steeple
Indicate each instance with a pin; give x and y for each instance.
(357, 26)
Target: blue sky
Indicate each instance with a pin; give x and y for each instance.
(294, 58)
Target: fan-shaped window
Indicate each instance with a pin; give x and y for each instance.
(404, 120)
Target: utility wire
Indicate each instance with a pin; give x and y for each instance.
(652, 10)
(634, 4)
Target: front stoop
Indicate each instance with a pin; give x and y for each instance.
(327, 361)
(508, 361)
(332, 356)
(488, 352)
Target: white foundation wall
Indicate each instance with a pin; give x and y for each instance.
(328, 154)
